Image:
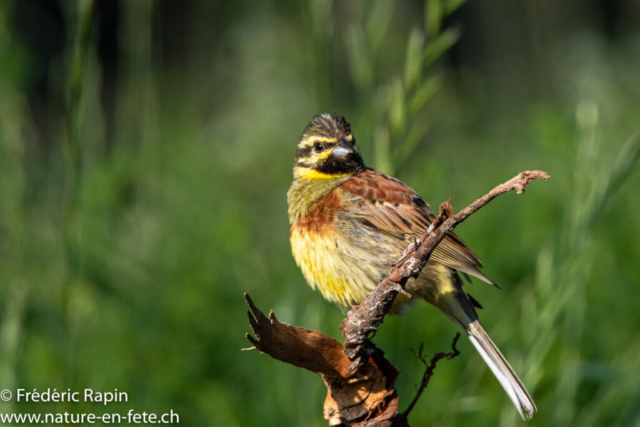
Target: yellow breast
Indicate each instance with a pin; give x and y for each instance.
(325, 269)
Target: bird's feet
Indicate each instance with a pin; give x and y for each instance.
(352, 311)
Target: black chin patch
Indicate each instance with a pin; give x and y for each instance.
(339, 165)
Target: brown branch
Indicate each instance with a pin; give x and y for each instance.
(360, 381)
(365, 397)
(371, 312)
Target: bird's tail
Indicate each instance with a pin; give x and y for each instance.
(449, 296)
(501, 369)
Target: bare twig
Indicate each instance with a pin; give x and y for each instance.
(371, 312)
(428, 373)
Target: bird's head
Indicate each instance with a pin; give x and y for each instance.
(327, 150)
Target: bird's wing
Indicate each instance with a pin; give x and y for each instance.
(393, 208)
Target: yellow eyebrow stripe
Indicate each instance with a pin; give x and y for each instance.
(313, 139)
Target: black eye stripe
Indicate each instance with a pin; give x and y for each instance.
(303, 153)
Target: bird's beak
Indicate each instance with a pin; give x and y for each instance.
(343, 148)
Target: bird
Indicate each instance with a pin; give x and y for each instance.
(349, 224)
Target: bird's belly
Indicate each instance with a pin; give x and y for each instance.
(346, 267)
(343, 272)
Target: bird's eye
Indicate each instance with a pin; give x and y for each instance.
(318, 146)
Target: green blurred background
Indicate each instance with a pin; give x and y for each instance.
(145, 154)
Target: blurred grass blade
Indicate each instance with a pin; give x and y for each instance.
(414, 64)
(424, 94)
(408, 146)
(11, 334)
(378, 22)
(440, 45)
(625, 164)
(320, 17)
(613, 178)
(621, 381)
(451, 6)
(433, 18)
(359, 61)
(397, 112)
(382, 148)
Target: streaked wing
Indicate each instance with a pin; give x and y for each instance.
(393, 208)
